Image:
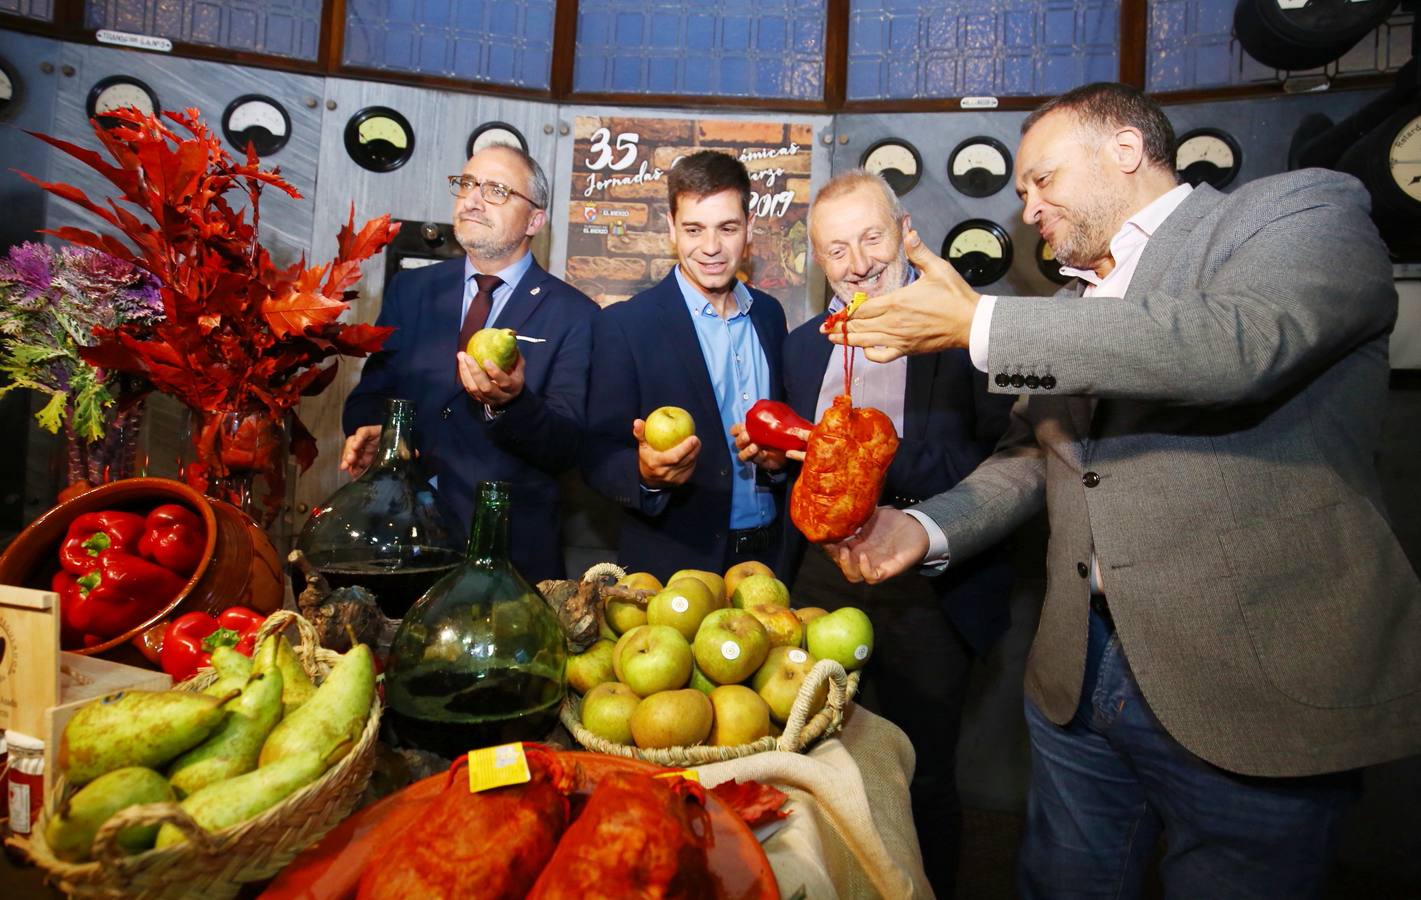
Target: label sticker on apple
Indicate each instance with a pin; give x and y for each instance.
(861, 652)
(680, 604)
(797, 656)
(730, 650)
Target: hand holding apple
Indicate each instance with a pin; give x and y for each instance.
(667, 426)
(665, 468)
(487, 383)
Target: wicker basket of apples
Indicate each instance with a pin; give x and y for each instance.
(708, 667)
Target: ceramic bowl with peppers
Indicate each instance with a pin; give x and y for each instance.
(190, 639)
(121, 556)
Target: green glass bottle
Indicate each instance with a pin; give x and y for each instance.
(388, 530)
(479, 659)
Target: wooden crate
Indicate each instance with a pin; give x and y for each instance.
(42, 687)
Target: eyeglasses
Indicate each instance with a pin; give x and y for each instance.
(493, 192)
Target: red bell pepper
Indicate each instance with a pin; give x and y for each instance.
(118, 593)
(174, 538)
(773, 424)
(93, 533)
(190, 639)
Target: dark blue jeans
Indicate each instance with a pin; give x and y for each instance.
(1106, 786)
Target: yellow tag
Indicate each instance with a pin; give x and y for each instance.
(688, 774)
(857, 301)
(494, 767)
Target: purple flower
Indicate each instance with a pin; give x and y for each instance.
(29, 265)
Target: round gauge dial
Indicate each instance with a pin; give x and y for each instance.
(1404, 159)
(979, 249)
(490, 133)
(379, 139)
(1047, 264)
(118, 92)
(9, 90)
(897, 161)
(979, 166)
(1208, 155)
(258, 120)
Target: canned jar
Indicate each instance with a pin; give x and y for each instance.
(24, 781)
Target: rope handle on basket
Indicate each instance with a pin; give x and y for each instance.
(792, 739)
(109, 853)
(309, 644)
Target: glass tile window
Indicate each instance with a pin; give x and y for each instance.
(290, 28)
(1191, 45)
(490, 41)
(30, 9)
(771, 49)
(900, 50)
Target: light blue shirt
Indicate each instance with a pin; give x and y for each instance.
(739, 375)
(511, 276)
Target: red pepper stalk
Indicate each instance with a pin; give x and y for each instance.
(174, 538)
(773, 424)
(118, 593)
(190, 639)
(98, 532)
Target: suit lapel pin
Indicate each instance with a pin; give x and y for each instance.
(534, 292)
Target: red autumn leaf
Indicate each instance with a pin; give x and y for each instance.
(369, 240)
(297, 310)
(754, 802)
(360, 340)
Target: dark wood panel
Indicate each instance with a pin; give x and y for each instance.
(1134, 41)
(564, 49)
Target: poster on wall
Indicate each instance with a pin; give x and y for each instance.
(618, 242)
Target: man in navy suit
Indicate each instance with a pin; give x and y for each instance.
(927, 628)
(705, 342)
(479, 423)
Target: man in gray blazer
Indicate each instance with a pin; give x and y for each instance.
(1230, 628)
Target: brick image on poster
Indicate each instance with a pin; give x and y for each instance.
(617, 241)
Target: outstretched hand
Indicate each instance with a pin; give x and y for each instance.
(933, 313)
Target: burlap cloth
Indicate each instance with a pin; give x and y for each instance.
(850, 829)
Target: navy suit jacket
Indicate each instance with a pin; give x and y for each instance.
(646, 355)
(535, 438)
(950, 424)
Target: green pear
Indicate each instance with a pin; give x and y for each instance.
(135, 728)
(331, 721)
(233, 669)
(234, 748)
(275, 652)
(244, 797)
(70, 834)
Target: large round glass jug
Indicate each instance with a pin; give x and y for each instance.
(387, 531)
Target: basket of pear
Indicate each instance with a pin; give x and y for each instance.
(218, 782)
(709, 667)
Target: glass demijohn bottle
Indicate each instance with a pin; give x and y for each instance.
(387, 530)
(479, 659)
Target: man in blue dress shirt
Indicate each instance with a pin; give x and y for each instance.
(703, 341)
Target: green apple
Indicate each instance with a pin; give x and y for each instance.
(844, 635)
(740, 571)
(668, 426)
(640, 581)
(495, 345)
(782, 625)
(590, 668)
(710, 579)
(617, 650)
(808, 613)
(672, 719)
(758, 590)
(607, 711)
(778, 681)
(657, 658)
(730, 645)
(700, 682)
(682, 605)
(623, 615)
(741, 716)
